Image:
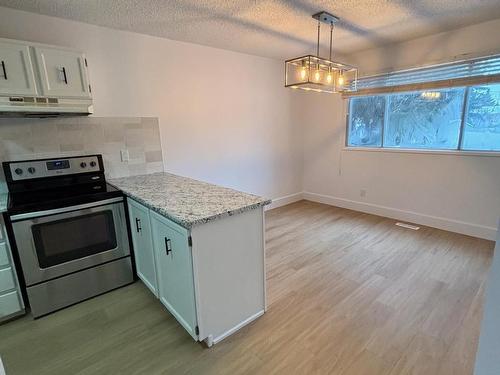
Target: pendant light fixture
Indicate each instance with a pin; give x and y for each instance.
(314, 73)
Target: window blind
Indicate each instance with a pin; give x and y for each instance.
(461, 73)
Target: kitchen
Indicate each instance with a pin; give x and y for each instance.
(61, 205)
(198, 149)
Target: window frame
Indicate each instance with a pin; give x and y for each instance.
(452, 151)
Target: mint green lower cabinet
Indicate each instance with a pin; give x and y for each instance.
(4, 258)
(210, 277)
(142, 241)
(6, 280)
(175, 271)
(11, 302)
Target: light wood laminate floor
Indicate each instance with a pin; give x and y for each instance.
(348, 293)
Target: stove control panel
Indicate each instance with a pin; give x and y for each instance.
(31, 169)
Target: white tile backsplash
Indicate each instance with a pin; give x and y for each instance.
(45, 138)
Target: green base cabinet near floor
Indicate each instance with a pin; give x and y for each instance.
(209, 277)
(11, 302)
(142, 241)
(175, 275)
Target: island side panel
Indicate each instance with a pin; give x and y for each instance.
(229, 272)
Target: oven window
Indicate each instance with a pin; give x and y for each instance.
(73, 238)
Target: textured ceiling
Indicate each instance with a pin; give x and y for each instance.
(272, 28)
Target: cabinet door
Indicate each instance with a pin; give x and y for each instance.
(140, 227)
(62, 73)
(9, 304)
(4, 258)
(175, 271)
(10, 300)
(6, 280)
(16, 70)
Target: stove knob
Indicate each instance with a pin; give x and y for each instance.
(31, 170)
(92, 163)
(83, 164)
(18, 171)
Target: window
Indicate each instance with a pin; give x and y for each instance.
(482, 119)
(424, 119)
(464, 118)
(367, 121)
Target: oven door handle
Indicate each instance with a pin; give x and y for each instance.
(33, 247)
(32, 215)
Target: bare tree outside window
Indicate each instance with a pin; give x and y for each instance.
(367, 117)
(482, 121)
(424, 120)
(437, 119)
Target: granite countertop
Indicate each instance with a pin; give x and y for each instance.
(186, 201)
(3, 201)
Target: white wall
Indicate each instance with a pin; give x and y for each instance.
(487, 358)
(459, 193)
(224, 116)
(467, 42)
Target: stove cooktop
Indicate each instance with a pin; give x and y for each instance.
(40, 200)
(45, 184)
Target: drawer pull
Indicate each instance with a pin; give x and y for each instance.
(168, 245)
(64, 74)
(4, 70)
(138, 227)
(63, 77)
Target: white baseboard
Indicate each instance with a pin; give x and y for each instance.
(451, 225)
(283, 201)
(237, 327)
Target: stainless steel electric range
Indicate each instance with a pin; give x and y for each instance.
(69, 230)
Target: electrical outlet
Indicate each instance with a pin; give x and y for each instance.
(124, 156)
(362, 193)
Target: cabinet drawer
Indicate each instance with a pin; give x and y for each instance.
(9, 304)
(6, 280)
(4, 259)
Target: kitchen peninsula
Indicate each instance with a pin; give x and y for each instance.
(199, 248)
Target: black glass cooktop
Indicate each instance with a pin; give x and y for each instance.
(39, 200)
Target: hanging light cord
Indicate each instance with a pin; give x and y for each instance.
(317, 45)
(331, 39)
(331, 36)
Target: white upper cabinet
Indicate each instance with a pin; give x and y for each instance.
(16, 70)
(63, 73)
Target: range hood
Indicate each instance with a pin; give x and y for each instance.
(40, 107)
(40, 80)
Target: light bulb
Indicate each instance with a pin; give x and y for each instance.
(329, 78)
(341, 80)
(317, 76)
(431, 95)
(303, 74)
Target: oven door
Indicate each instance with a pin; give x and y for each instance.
(58, 242)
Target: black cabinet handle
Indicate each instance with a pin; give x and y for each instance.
(168, 245)
(64, 74)
(138, 227)
(4, 70)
